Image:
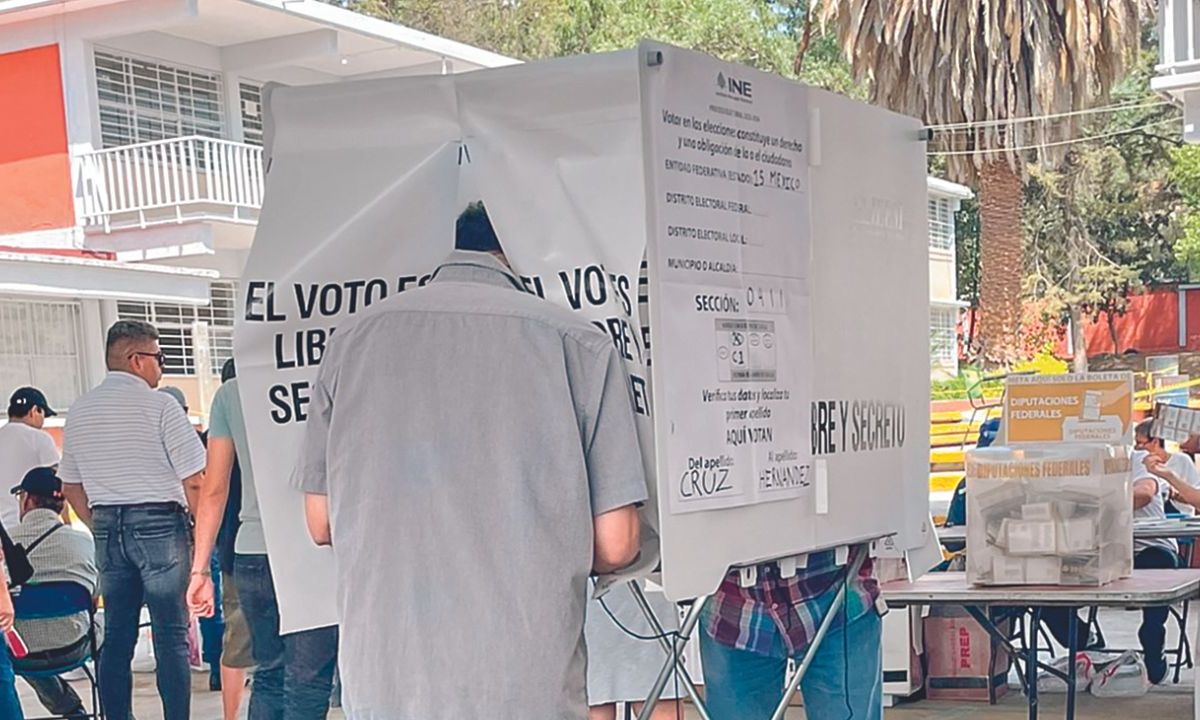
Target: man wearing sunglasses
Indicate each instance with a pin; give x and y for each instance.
(128, 455)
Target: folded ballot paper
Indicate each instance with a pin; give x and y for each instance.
(1049, 515)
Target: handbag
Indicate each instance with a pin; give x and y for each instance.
(16, 557)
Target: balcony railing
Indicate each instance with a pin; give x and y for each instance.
(1179, 34)
(170, 181)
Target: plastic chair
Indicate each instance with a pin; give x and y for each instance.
(975, 379)
(48, 601)
(956, 513)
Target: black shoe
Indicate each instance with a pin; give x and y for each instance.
(1156, 668)
(214, 681)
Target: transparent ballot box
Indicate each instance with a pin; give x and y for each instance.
(1049, 515)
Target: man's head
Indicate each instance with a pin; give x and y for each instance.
(228, 371)
(473, 231)
(132, 347)
(177, 394)
(1191, 446)
(40, 490)
(1144, 439)
(28, 405)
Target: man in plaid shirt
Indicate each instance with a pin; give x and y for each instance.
(751, 633)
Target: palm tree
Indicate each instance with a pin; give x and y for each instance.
(974, 68)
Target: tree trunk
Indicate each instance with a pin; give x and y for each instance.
(1079, 360)
(1112, 332)
(1001, 264)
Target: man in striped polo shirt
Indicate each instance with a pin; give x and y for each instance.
(128, 453)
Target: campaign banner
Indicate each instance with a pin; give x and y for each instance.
(1080, 407)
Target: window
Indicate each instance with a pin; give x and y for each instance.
(943, 334)
(143, 100)
(252, 112)
(175, 327)
(941, 224)
(40, 345)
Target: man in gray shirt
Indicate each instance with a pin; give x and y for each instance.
(472, 456)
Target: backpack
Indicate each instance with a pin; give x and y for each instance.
(16, 557)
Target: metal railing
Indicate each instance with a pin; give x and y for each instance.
(172, 180)
(1179, 36)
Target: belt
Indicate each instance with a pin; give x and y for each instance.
(170, 506)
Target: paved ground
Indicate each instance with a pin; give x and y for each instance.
(1170, 702)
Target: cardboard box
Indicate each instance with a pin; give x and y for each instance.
(1077, 535)
(1038, 511)
(1008, 570)
(1030, 537)
(1043, 570)
(960, 657)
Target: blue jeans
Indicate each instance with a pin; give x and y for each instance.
(10, 704)
(144, 553)
(212, 629)
(294, 675)
(742, 685)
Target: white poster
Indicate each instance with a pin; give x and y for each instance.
(730, 251)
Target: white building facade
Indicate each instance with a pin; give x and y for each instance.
(1178, 70)
(131, 169)
(945, 309)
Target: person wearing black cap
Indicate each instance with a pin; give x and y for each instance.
(24, 445)
(58, 553)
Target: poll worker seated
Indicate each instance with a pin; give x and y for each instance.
(1151, 488)
(1179, 463)
(58, 553)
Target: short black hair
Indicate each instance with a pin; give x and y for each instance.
(474, 231)
(1145, 429)
(228, 371)
(122, 335)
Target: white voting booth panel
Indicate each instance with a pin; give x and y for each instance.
(834, 241)
(345, 190)
(366, 179)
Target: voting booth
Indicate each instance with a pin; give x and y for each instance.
(763, 241)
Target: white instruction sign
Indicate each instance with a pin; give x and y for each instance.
(729, 255)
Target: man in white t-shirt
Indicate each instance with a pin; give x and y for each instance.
(1182, 465)
(1150, 491)
(24, 445)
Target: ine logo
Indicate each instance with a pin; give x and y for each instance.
(734, 88)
